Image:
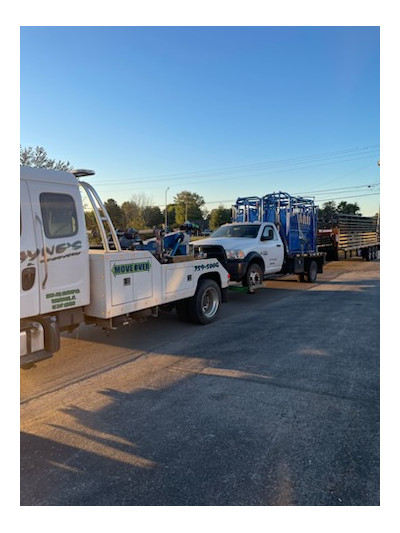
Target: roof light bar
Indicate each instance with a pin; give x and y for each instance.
(81, 172)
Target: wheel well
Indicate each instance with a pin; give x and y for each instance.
(258, 260)
(212, 275)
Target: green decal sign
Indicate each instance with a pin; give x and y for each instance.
(63, 299)
(131, 268)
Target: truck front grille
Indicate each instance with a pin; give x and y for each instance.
(215, 252)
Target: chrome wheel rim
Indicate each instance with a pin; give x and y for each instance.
(254, 277)
(210, 302)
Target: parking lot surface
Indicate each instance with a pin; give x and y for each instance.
(276, 403)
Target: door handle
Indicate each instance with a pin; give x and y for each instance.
(279, 245)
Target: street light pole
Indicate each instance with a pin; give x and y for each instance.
(166, 210)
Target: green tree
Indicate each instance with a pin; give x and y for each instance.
(92, 228)
(90, 220)
(219, 216)
(133, 215)
(152, 216)
(330, 211)
(348, 209)
(171, 215)
(116, 213)
(38, 157)
(188, 207)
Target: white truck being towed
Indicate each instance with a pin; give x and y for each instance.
(269, 235)
(64, 283)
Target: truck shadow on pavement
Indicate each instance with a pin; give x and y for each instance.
(281, 408)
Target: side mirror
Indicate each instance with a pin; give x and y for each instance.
(268, 237)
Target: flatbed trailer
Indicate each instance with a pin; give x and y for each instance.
(349, 235)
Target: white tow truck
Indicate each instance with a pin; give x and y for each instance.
(63, 282)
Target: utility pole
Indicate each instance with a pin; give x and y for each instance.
(186, 208)
(166, 210)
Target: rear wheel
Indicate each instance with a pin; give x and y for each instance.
(204, 305)
(312, 272)
(367, 254)
(253, 277)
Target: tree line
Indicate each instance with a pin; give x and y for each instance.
(330, 210)
(140, 214)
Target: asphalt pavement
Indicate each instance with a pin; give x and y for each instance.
(275, 404)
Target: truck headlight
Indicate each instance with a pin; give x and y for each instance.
(235, 254)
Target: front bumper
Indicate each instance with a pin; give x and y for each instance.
(236, 268)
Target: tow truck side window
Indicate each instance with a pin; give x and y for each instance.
(59, 215)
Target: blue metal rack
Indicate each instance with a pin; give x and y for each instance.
(247, 209)
(295, 217)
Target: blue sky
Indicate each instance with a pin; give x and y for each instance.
(220, 111)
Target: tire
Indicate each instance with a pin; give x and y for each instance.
(253, 277)
(204, 305)
(312, 272)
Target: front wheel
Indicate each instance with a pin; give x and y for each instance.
(253, 277)
(204, 305)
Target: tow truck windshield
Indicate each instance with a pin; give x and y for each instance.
(237, 230)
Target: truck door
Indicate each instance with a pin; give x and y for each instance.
(29, 263)
(271, 249)
(60, 231)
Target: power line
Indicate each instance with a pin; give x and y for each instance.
(318, 192)
(233, 200)
(320, 159)
(336, 189)
(203, 181)
(354, 196)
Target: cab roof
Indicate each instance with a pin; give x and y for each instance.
(53, 176)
